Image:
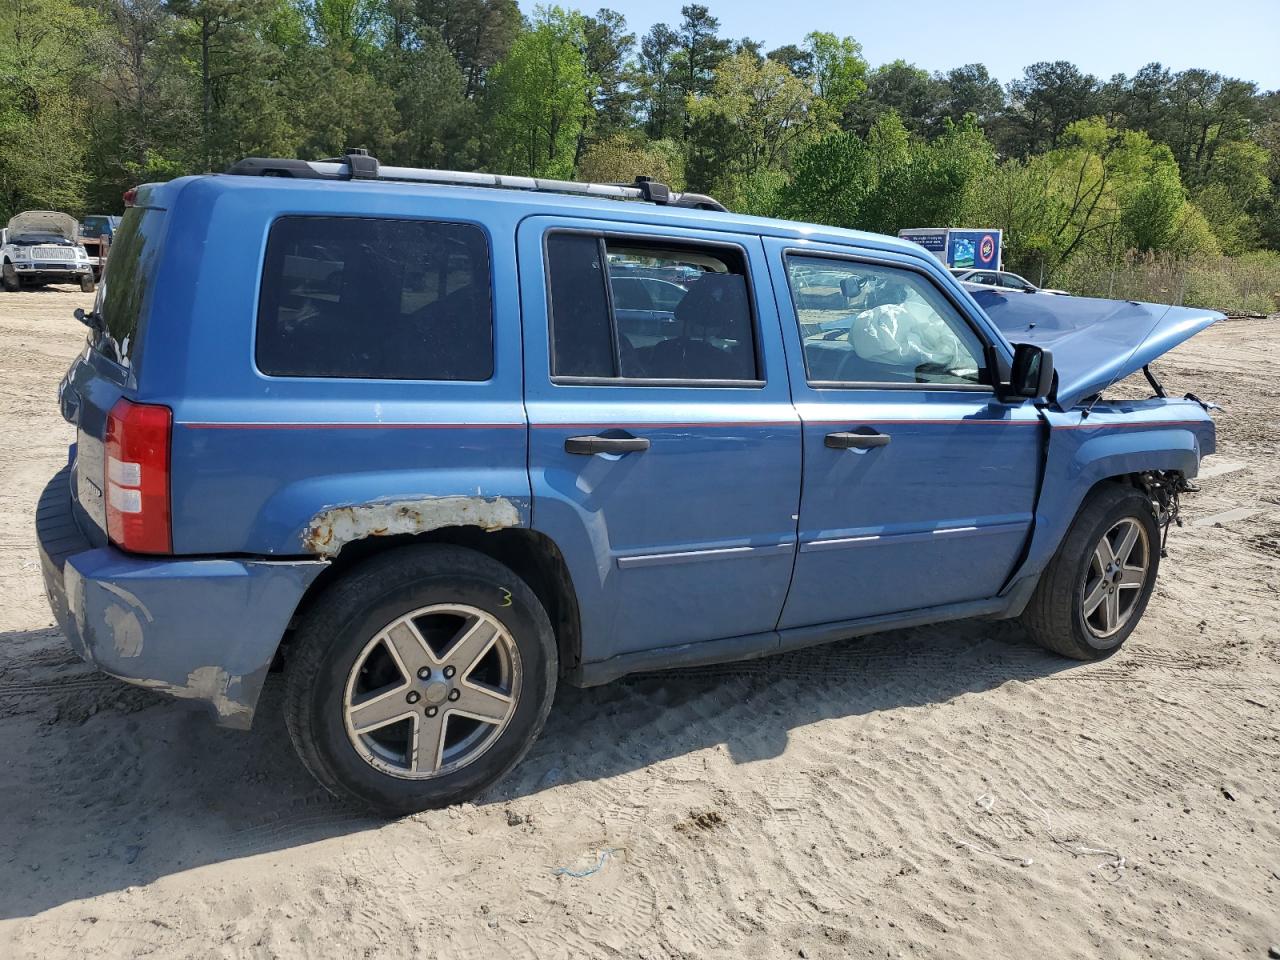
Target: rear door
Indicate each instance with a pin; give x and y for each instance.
(664, 454)
(919, 485)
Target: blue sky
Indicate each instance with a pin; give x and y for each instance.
(1237, 37)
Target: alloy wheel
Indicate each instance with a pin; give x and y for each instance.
(1114, 579)
(432, 691)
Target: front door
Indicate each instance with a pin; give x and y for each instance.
(664, 449)
(919, 486)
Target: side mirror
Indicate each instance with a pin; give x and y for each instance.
(1031, 376)
(850, 287)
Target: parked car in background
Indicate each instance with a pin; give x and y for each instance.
(1002, 279)
(96, 232)
(409, 439)
(42, 246)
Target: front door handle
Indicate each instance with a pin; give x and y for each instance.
(856, 440)
(587, 446)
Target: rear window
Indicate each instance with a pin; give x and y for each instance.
(375, 299)
(126, 284)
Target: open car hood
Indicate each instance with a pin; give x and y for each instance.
(1094, 342)
(44, 221)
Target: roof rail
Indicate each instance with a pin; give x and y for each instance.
(358, 165)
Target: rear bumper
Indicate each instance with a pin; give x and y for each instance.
(200, 629)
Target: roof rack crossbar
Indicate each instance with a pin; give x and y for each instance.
(361, 166)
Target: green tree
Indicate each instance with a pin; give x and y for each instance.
(623, 157)
(838, 72)
(537, 97)
(831, 180)
(889, 181)
(438, 121)
(699, 50)
(1045, 101)
(608, 50)
(796, 59)
(477, 33)
(1102, 190)
(659, 98)
(754, 117)
(44, 60)
(970, 90)
(902, 88)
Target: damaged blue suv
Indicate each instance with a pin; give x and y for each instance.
(432, 443)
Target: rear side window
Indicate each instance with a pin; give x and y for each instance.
(126, 284)
(375, 299)
(634, 310)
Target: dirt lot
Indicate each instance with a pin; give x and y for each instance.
(948, 791)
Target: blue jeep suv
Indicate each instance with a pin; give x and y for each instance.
(422, 441)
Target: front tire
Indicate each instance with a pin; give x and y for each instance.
(87, 284)
(9, 278)
(419, 679)
(1096, 588)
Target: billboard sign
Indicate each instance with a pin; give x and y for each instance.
(974, 248)
(933, 239)
(964, 249)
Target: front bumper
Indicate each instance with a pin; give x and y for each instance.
(53, 272)
(201, 629)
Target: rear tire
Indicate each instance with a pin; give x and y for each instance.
(1090, 597)
(363, 701)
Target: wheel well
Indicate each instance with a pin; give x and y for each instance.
(1148, 481)
(532, 556)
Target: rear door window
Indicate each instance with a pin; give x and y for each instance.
(375, 299)
(649, 310)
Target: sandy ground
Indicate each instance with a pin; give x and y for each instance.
(949, 791)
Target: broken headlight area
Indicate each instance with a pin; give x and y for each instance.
(1165, 488)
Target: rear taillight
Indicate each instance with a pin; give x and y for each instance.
(138, 477)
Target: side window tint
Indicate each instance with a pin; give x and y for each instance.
(865, 323)
(581, 338)
(375, 299)
(630, 310)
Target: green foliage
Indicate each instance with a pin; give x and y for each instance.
(43, 61)
(1103, 189)
(889, 181)
(623, 157)
(836, 70)
(537, 97)
(753, 118)
(900, 88)
(98, 95)
(830, 182)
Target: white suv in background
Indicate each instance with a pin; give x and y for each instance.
(43, 246)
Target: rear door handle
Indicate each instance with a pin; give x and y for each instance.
(857, 441)
(587, 446)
